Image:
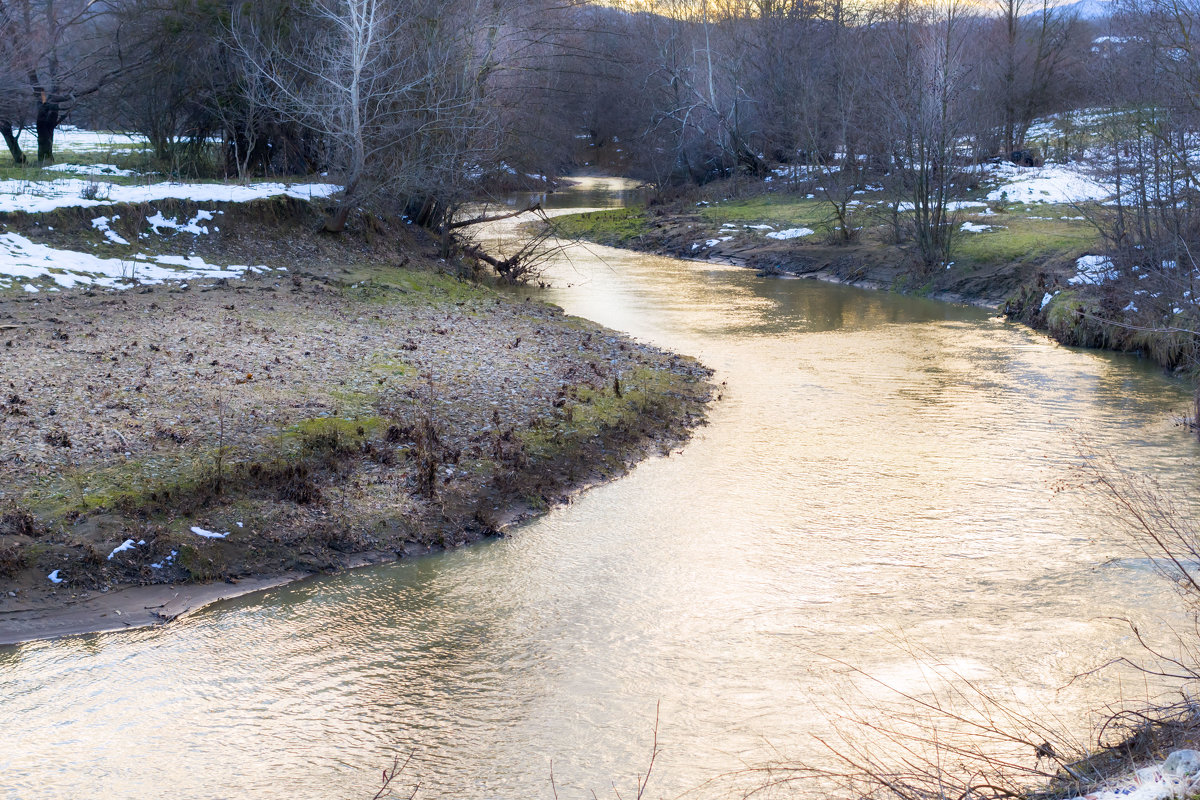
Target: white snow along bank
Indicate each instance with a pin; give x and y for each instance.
(22, 260)
(42, 196)
(1178, 776)
(790, 233)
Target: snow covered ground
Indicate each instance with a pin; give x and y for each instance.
(791, 233)
(1094, 270)
(1052, 183)
(70, 138)
(41, 196)
(1177, 777)
(25, 262)
(92, 169)
(38, 267)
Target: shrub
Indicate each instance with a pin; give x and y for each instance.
(12, 561)
(18, 521)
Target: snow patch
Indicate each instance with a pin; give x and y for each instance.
(41, 196)
(1178, 776)
(101, 224)
(208, 534)
(1093, 270)
(91, 169)
(193, 226)
(68, 137)
(1053, 183)
(972, 227)
(128, 545)
(23, 259)
(790, 233)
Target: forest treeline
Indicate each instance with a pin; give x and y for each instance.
(417, 106)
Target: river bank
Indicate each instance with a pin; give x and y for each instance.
(674, 230)
(1037, 262)
(345, 402)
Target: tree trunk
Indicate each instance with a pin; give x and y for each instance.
(10, 139)
(47, 120)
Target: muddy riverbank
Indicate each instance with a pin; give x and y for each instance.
(227, 434)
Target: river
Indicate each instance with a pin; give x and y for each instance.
(877, 478)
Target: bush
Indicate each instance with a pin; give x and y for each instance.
(18, 521)
(12, 561)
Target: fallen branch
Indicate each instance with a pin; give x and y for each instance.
(484, 219)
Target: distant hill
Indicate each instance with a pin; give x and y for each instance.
(1090, 9)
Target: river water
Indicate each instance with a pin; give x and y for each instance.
(878, 478)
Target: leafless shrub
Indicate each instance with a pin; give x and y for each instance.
(16, 520)
(426, 450)
(12, 561)
(532, 253)
(338, 536)
(1148, 517)
(958, 739)
(94, 190)
(296, 484)
(954, 739)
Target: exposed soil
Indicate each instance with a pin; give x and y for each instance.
(346, 411)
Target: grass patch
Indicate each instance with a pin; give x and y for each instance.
(589, 411)
(614, 227)
(1035, 233)
(333, 434)
(374, 281)
(781, 210)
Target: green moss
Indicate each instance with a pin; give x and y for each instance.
(200, 567)
(614, 227)
(397, 284)
(392, 367)
(333, 434)
(590, 411)
(1062, 312)
(781, 210)
(1030, 234)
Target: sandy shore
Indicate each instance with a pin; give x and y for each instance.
(126, 608)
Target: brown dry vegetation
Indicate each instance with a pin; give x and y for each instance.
(345, 406)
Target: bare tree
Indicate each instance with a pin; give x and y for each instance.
(1025, 68)
(57, 53)
(920, 91)
(409, 98)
